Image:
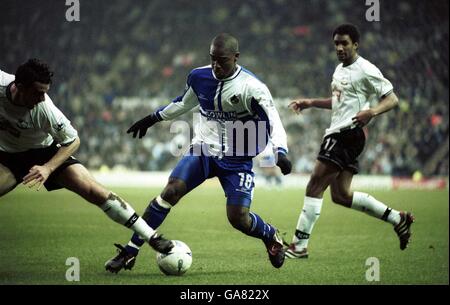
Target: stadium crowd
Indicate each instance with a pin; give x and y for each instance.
(123, 59)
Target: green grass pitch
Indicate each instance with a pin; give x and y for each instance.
(40, 230)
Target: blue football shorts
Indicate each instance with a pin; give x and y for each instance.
(235, 176)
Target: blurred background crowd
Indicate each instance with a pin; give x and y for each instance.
(123, 59)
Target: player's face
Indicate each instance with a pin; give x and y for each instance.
(223, 63)
(32, 95)
(345, 48)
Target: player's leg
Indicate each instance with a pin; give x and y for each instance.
(190, 172)
(341, 194)
(323, 174)
(160, 206)
(340, 189)
(7, 180)
(352, 143)
(238, 187)
(158, 209)
(77, 178)
(336, 153)
(253, 225)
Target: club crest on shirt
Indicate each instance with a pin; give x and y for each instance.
(345, 81)
(59, 126)
(234, 100)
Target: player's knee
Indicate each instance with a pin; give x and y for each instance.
(172, 193)
(7, 180)
(77, 179)
(7, 183)
(6, 188)
(238, 224)
(314, 187)
(94, 194)
(92, 191)
(239, 221)
(341, 198)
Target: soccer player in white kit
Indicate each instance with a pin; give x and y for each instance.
(36, 146)
(355, 83)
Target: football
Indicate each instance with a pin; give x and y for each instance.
(177, 261)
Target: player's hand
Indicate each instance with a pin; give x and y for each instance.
(142, 125)
(284, 164)
(298, 105)
(363, 118)
(37, 176)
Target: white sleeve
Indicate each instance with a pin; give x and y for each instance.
(5, 78)
(53, 121)
(379, 85)
(180, 105)
(265, 107)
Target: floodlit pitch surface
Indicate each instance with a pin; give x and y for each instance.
(39, 231)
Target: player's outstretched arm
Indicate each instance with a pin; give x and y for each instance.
(363, 118)
(179, 106)
(142, 125)
(301, 104)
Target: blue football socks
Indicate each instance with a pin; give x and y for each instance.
(154, 215)
(260, 229)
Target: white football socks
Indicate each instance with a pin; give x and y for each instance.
(121, 212)
(308, 217)
(365, 203)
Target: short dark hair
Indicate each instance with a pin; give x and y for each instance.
(34, 70)
(226, 41)
(348, 29)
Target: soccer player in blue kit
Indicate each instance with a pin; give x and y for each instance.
(228, 96)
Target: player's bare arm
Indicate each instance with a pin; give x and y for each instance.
(363, 118)
(38, 174)
(301, 104)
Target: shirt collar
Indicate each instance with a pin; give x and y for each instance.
(238, 70)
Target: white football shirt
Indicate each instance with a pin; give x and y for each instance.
(22, 129)
(353, 88)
